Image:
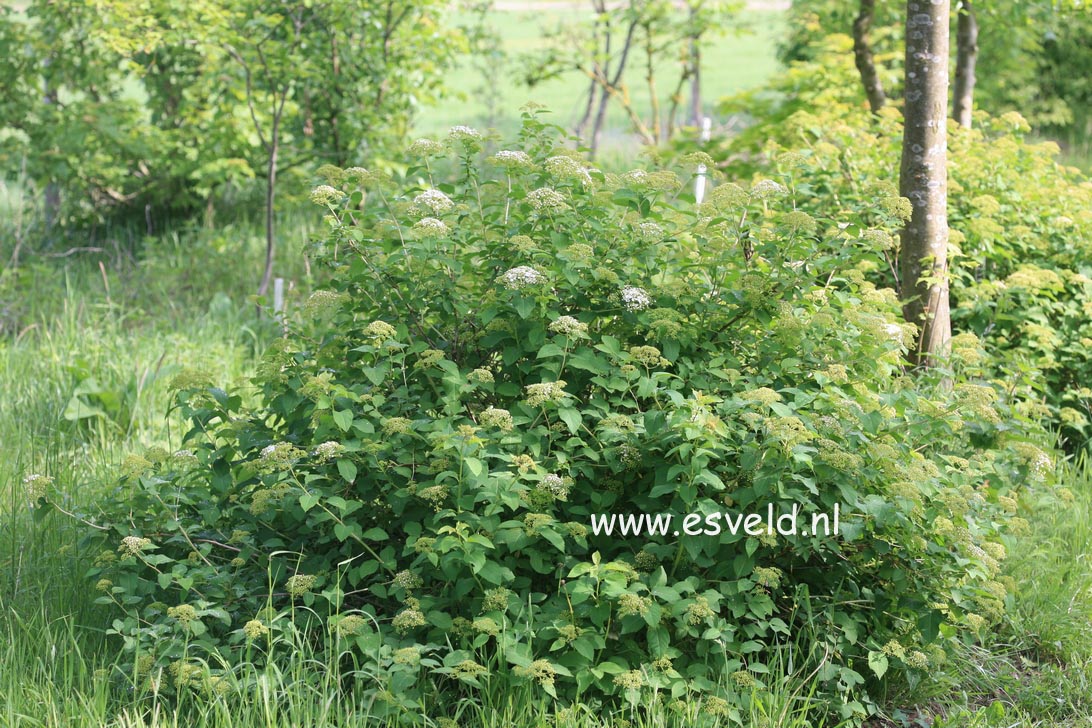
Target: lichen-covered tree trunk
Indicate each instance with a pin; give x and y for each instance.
(966, 60)
(862, 54)
(923, 178)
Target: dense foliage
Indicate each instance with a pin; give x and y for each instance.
(1021, 261)
(1032, 54)
(119, 105)
(506, 353)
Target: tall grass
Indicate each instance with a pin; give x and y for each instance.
(87, 350)
(1037, 670)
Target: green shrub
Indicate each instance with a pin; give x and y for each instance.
(505, 354)
(1021, 256)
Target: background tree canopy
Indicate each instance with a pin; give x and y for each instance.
(136, 103)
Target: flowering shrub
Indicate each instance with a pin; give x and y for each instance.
(417, 476)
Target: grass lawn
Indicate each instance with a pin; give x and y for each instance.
(741, 58)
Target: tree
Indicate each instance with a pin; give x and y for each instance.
(1034, 50)
(966, 60)
(66, 119)
(627, 38)
(923, 177)
(272, 43)
(227, 90)
(866, 63)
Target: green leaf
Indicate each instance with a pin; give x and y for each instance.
(347, 468)
(570, 417)
(344, 532)
(375, 375)
(877, 661)
(589, 362)
(658, 641)
(492, 573)
(343, 419)
(929, 624)
(524, 306)
(43, 509)
(78, 409)
(309, 501)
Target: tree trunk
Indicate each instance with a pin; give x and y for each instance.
(650, 78)
(270, 198)
(610, 84)
(695, 87)
(966, 60)
(51, 208)
(582, 126)
(340, 156)
(695, 74)
(51, 205)
(600, 119)
(862, 54)
(923, 178)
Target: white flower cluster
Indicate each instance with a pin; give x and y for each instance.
(767, 188)
(426, 148)
(635, 299)
(431, 227)
(568, 326)
(895, 332)
(564, 167)
(36, 485)
(464, 132)
(661, 180)
(280, 453)
(325, 195)
(1042, 464)
(133, 545)
(434, 200)
(329, 450)
(879, 239)
(184, 458)
(545, 199)
(496, 417)
(512, 160)
(651, 232)
(358, 174)
(521, 277)
(545, 393)
(556, 486)
(470, 139)
(380, 330)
